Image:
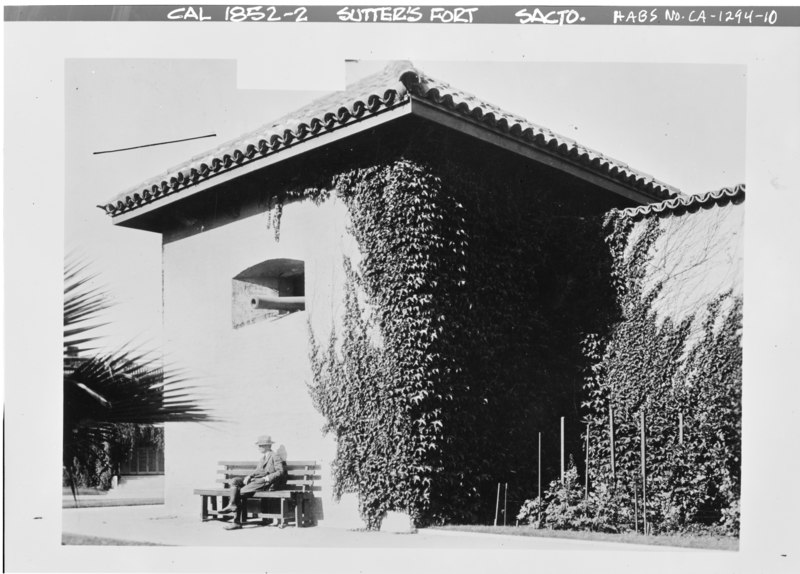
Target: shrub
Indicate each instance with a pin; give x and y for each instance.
(531, 511)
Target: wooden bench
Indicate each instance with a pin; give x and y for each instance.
(295, 496)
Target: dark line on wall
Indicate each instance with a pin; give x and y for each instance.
(154, 144)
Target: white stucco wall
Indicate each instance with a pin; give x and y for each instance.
(698, 257)
(255, 376)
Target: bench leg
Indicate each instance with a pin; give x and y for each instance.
(298, 502)
(208, 514)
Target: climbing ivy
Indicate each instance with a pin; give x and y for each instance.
(479, 285)
(646, 363)
(490, 299)
(353, 389)
(274, 213)
(400, 389)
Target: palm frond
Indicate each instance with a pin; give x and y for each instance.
(106, 389)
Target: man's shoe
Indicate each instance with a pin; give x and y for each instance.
(228, 509)
(234, 526)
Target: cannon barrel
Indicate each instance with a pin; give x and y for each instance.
(280, 303)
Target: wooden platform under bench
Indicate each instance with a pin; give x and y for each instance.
(293, 502)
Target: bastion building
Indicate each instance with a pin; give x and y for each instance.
(252, 267)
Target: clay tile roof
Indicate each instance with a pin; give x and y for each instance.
(689, 204)
(394, 86)
(491, 116)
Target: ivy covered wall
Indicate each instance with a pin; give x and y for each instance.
(677, 366)
(489, 296)
(481, 274)
(483, 299)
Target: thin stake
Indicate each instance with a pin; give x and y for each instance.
(611, 436)
(497, 506)
(539, 477)
(635, 507)
(562, 450)
(680, 428)
(505, 504)
(588, 427)
(644, 476)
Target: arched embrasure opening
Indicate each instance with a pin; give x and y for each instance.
(268, 290)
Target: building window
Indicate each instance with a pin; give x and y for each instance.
(268, 290)
(144, 460)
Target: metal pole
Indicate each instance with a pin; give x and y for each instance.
(611, 436)
(635, 506)
(586, 470)
(562, 450)
(497, 506)
(680, 428)
(644, 477)
(505, 504)
(539, 477)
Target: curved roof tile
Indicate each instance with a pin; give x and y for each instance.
(392, 87)
(688, 204)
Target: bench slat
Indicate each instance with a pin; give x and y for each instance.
(247, 469)
(289, 481)
(252, 464)
(287, 486)
(290, 477)
(304, 480)
(214, 491)
(259, 494)
(276, 493)
(293, 487)
(283, 493)
(243, 471)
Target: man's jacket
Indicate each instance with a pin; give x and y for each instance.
(270, 470)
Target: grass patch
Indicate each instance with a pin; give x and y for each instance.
(80, 539)
(707, 542)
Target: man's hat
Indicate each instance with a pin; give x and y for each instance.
(264, 439)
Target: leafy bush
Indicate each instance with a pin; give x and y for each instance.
(531, 511)
(730, 519)
(565, 506)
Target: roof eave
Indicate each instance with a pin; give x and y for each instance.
(425, 109)
(130, 218)
(416, 106)
(688, 204)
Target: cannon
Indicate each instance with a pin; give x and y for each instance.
(279, 303)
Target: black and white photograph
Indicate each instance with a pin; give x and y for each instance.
(386, 297)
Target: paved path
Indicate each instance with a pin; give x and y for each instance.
(154, 524)
(131, 491)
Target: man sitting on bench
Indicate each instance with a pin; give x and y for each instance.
(269, 475)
